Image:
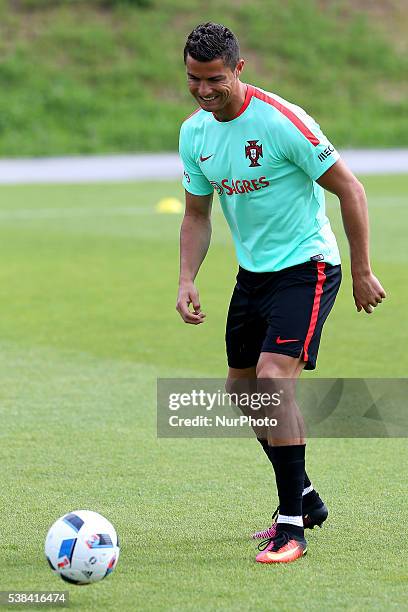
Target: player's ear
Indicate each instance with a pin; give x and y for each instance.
(239, 67)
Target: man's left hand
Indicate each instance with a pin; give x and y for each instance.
(367, 292)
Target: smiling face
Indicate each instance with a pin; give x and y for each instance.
(215, 86)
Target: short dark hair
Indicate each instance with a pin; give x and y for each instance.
(209, 41)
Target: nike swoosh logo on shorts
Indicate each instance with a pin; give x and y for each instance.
(203, 159)
(279, 341)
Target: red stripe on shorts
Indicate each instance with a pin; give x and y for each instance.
(321, 277)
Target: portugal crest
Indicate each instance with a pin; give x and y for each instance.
(253, 151)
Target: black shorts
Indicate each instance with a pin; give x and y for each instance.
(280, 312)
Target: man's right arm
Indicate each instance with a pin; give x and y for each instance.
(195, 235)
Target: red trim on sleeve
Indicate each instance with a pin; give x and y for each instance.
(321, 277)
(193, 113)
(289, 114)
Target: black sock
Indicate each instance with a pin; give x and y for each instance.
(310, 499)
(289, 465)
(293, 530)
(264, 444)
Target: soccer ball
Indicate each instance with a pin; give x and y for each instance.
(82, 547)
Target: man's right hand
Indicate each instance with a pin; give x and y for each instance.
(187, 295)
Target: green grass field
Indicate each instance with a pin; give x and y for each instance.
(94, 76)
(88, 322)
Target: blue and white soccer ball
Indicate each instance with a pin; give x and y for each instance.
(82, 547)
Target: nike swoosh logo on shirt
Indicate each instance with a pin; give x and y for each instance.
(280, 341)
(203, 159)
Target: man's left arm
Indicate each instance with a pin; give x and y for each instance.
(338, 179)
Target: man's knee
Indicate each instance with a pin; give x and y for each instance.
(276, 366)
(238, 386)
(272, 371)
(230, 385)
(238, 379)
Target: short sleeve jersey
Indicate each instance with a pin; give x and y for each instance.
(263, 165)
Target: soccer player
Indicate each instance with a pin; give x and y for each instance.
(269, 163)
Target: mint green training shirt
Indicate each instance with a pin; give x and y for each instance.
(263, 165)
